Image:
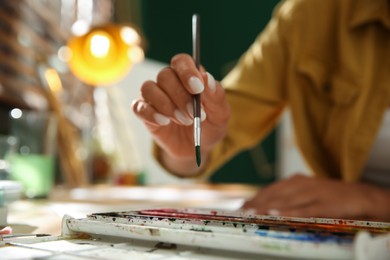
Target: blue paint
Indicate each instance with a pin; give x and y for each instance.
(305, 237)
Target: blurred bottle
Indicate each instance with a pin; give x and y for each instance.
(8, 145)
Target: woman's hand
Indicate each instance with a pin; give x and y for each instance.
(166, 108)
(301, 196)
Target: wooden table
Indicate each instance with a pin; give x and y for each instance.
(44, 216)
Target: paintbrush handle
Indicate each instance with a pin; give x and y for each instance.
(196, 98)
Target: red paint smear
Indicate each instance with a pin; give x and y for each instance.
(337, 226)
(180, 214)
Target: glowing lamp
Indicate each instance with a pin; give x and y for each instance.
(104, 54)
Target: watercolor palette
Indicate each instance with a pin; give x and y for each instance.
(304, 238)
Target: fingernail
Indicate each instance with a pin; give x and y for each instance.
(139, 106)
(161, 119)
(190, 109)
(182, 118)
(273, 212)
(211, 82)
(133, 102)
(202, 115)
(196, 85)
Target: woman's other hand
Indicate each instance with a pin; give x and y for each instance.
(301, 196)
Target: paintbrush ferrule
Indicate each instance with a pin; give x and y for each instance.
(197, 131)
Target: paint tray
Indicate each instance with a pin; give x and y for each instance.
(235, 232)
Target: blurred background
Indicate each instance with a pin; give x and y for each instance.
(82, 62)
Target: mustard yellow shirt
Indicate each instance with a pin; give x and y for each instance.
(329, 62)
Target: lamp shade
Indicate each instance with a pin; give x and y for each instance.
(104, 54)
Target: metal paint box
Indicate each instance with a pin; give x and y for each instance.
(206, 234)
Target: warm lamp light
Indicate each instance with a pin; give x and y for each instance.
(104, 54)
(53, 80)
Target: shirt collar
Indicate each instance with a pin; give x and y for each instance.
(368, 11)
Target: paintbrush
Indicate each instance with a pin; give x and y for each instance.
(196, 97)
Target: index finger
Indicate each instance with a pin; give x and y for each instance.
(189, 75)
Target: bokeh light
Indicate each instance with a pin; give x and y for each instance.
(104, 55)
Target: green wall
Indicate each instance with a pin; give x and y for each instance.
(227, 29)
